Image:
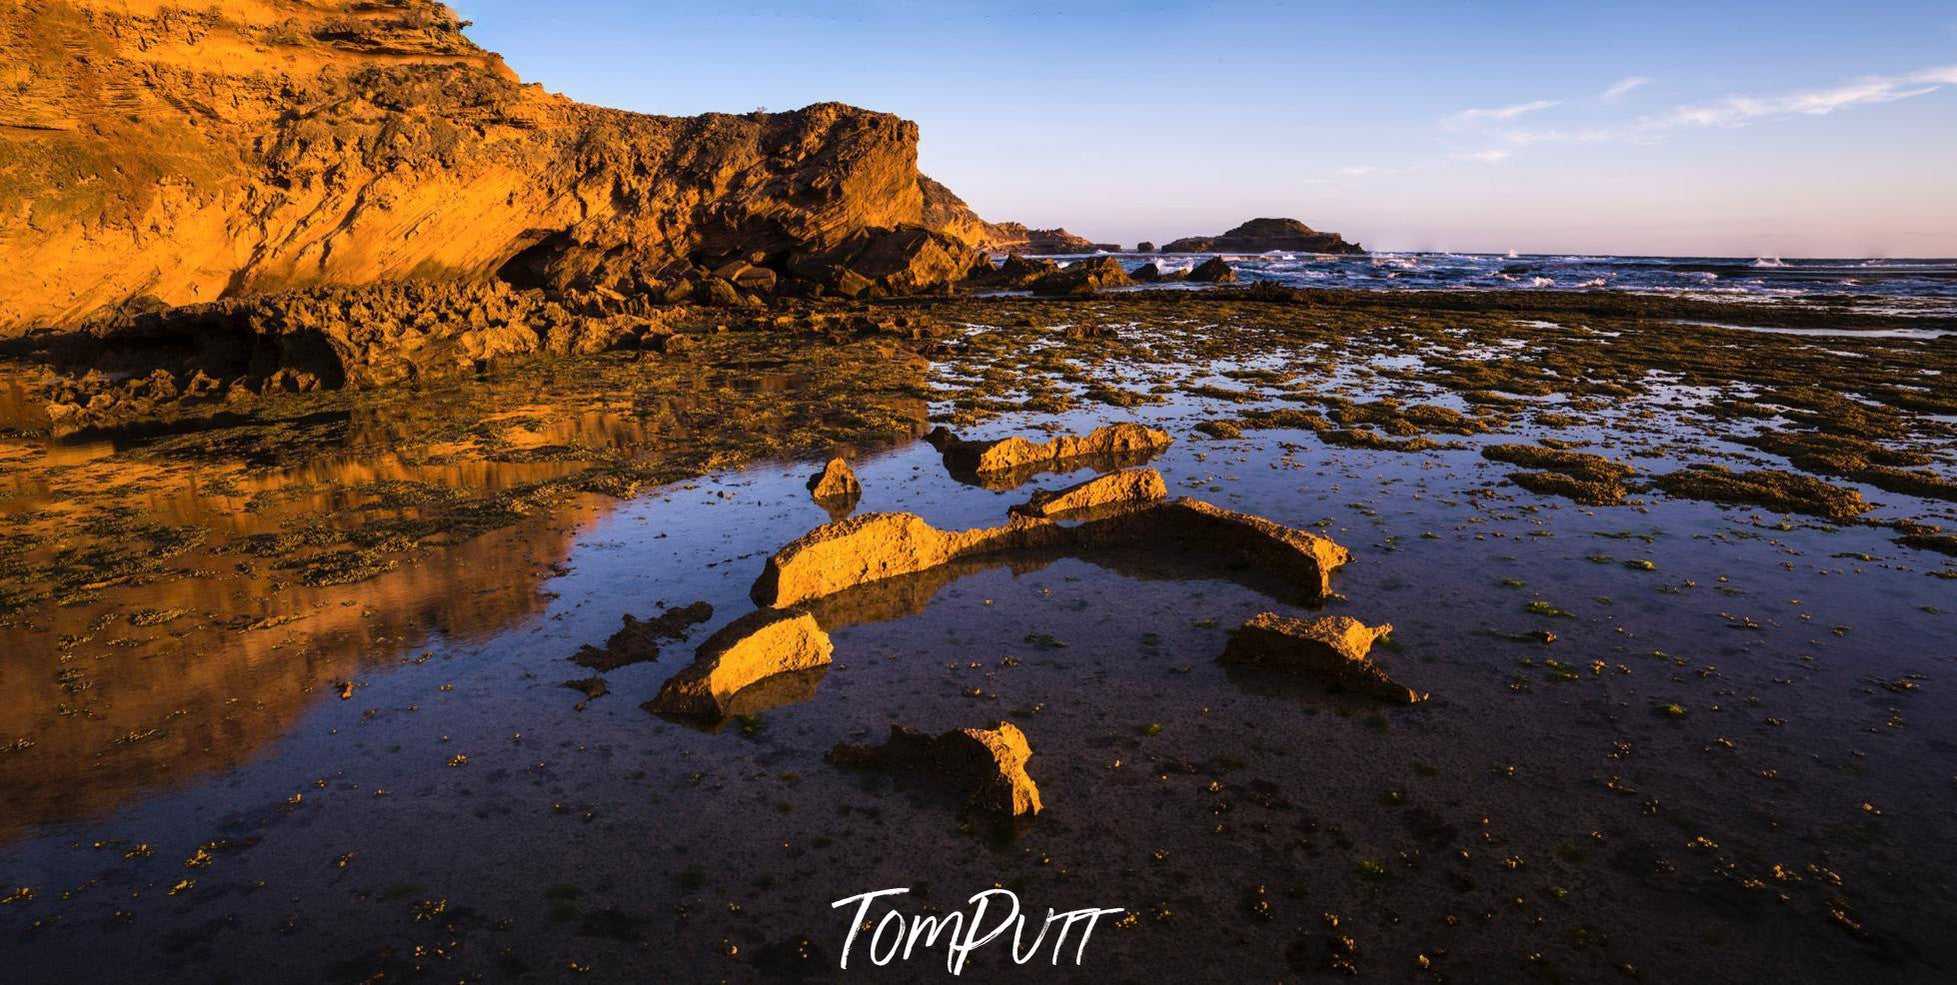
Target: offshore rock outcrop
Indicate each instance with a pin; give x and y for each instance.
(199, 153)
(1264, 236)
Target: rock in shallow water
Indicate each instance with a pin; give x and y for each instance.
(836, 481)
(1017, 453)
(987, 764)
(1128, 487)
(748, 650)
(1331, 648)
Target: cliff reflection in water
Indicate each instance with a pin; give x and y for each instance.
(153, 676)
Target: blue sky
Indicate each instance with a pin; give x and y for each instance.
(1744, 129)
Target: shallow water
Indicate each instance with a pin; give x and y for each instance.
(462, 813)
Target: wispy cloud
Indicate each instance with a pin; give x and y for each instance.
(1468, 119)
(1737, 111)
(1494, 155)
(1371, 170)
(1622, 87)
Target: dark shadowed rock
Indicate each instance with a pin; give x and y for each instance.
(1215, 270)
(1084, 277)
(638, 640)
(987, 765)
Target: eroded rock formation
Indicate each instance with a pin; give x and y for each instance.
(187, 154)
(873, 547)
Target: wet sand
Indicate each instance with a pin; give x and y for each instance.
(310, 725)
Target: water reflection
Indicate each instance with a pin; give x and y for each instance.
(133, 666)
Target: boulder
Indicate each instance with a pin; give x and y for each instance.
(1145, 247)
(1129, 487)
(836, 481)
(1017, 272)
(1330, 648)
(1215, 270)
(746, 651)
(987, 765)
(1147, 273)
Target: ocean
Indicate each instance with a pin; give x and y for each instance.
(1911, 288)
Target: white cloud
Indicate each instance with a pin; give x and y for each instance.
(1470, 118)
(1492, 156)
(1369, 170)
(1623, 86)
(1737, 111)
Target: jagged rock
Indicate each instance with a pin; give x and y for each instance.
(1084, 277)
(206, 151)
(1215, 270)
(1129, 487)
(1331, 648)
(902, 261)
(639, 640)
(989, 765)
(746, 651)
(1264, 236)
(1016, 453)
(862, 550)
(1016, 272)
(836, 481)
(1147, 273)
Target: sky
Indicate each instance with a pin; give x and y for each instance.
(1729, 129)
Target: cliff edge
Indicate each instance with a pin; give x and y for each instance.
(149, 151)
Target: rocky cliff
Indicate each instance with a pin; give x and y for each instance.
(151, 151)
(1264, 236)
(1014, 237)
